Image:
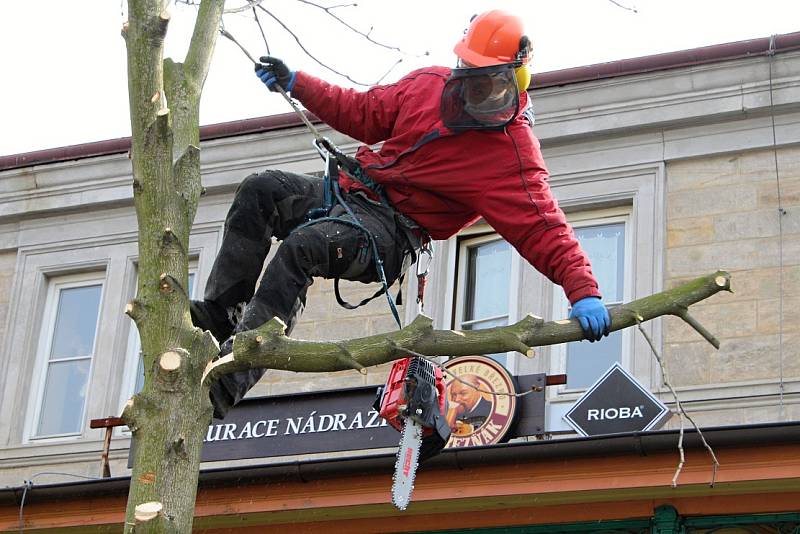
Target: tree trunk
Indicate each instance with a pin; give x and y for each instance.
(169, 417)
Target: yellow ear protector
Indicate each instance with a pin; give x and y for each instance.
(523, 73)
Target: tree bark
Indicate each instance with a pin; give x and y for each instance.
(169, 417)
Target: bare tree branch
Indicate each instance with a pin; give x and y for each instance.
(254, 4)
(204, 37)
(261, 29)
(269, 347)
(682, 414)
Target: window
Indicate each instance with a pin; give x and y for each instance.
(67, 336)
(485, 295)
(603, 236)
(618, 213)
(134, 364)
(66, 350)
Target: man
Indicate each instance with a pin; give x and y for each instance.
(469, 409)
(457, 146)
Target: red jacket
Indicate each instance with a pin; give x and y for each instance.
(447, 180)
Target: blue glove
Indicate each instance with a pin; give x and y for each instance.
(274, 72)
(593, 316)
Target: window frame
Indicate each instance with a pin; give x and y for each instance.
(55, 284)
(641, 189)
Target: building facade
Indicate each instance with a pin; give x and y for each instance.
(669, 167)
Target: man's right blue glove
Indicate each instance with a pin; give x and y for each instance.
(274, 72)
(593, 317)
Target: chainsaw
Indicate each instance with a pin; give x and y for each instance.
(414, 402)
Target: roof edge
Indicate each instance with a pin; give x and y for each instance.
(761, 46)
(775, 44)
(123, 144)
(634, 443)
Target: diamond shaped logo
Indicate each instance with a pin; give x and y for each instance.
(615, 404)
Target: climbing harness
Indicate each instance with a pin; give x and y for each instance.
(332, 195)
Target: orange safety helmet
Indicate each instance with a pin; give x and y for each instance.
(493, 38)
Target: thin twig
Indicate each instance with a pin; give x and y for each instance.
(261, 29)
(248, 5)
(461, 380)
(681, 414)
(309, 54)
(385, 74)
(352, 28)
(623, 7)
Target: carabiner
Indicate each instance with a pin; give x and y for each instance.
(425, 250)
(324, 151)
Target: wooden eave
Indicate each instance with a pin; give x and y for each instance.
(541, 482)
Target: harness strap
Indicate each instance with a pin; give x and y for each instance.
(376, 258)
(376, 255)
(344, 304)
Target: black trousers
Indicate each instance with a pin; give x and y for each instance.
(274, 204)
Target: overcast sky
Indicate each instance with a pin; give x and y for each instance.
(63, 77)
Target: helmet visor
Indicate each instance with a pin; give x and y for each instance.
(484, 97)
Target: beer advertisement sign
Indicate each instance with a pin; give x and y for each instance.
(481, 401)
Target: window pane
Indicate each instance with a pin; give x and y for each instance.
(139, 374)
(489, 272)
(76, 322)
(605, 246)
(587, 361)
(64, 397)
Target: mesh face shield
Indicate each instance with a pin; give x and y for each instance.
(483, 97)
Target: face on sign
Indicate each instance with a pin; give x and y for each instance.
(465, 394)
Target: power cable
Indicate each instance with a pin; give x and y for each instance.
(781, 214)
(28, 485)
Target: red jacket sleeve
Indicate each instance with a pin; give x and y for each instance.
(364, 115)
(523, 210)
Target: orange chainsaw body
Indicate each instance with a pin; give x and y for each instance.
(398, 393)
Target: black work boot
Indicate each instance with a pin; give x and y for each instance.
(229, 389)
(209, 315)
(222, 391)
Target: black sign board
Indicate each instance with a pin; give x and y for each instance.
(327, 421)
(616, 403)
